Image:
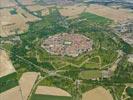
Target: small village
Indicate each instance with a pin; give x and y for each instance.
(67, 44)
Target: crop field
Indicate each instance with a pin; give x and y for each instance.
(26, 83)
(13, 93)
(28, 17)
(7, 3)
(26, 2)
(98, 93)
(116, 15)
(72, 11)
(6, 66)
(93, 18)
(39, 9)
(35, 7)
(53, 91)
(10, 24)
(7, 82)
(46, 97)
(113, 14)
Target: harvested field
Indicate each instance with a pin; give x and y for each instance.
(28, 17)
(7, 3)
(114, 14)
(54, 91)
(11, 23)
(130, 58)
(26, 82)
(37, 7)
(14, 24)
(98, 93)
(72, 11)
(12, 94)
(26, 2)
(43, 9)
(6, 66)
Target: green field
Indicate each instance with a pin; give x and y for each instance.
(90, 74)
(92, 18)
(8, 82)
(48, 97)
(91, 65)
(129, 91)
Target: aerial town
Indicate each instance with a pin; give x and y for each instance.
(66, 49)
(67, 44)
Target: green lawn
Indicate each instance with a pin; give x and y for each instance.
(91, 65)
(90, 74)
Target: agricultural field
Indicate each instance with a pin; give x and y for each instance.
(11, 23)
(72, 11)
(27, 82)
(7, 82)
(68, 55)
(45, 90)
(98, 93)
(45, 97)
(39, 9)
(6, 66)
(26, 2)
(117, 15)
(50, 93)
(7, 3)
(13, 94)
